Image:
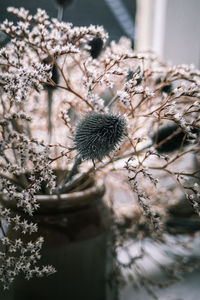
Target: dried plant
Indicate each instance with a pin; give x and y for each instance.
(63, 108)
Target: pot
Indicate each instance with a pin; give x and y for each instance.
(76, 230)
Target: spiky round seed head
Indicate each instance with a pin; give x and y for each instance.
(97, 135)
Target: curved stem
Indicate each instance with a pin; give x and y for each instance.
(49, 111)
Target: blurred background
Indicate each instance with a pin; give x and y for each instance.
(83, 13)
(168, 27)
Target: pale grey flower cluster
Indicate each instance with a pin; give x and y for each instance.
(18, 224)
(21, 258)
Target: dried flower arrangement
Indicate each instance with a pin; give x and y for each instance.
(89, 112)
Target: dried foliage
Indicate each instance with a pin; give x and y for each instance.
(38, 129)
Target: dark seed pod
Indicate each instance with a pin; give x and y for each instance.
(167, 88)
(55, 75)
(97, 135)
(170, 138)
(96, 46)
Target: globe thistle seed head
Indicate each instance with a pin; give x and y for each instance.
(97, 135)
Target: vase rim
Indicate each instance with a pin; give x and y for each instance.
(62, 202)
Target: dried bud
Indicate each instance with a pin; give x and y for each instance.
(96, 46)
(97, 135)
(55, 75)
(170, 138)
(167, 88)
